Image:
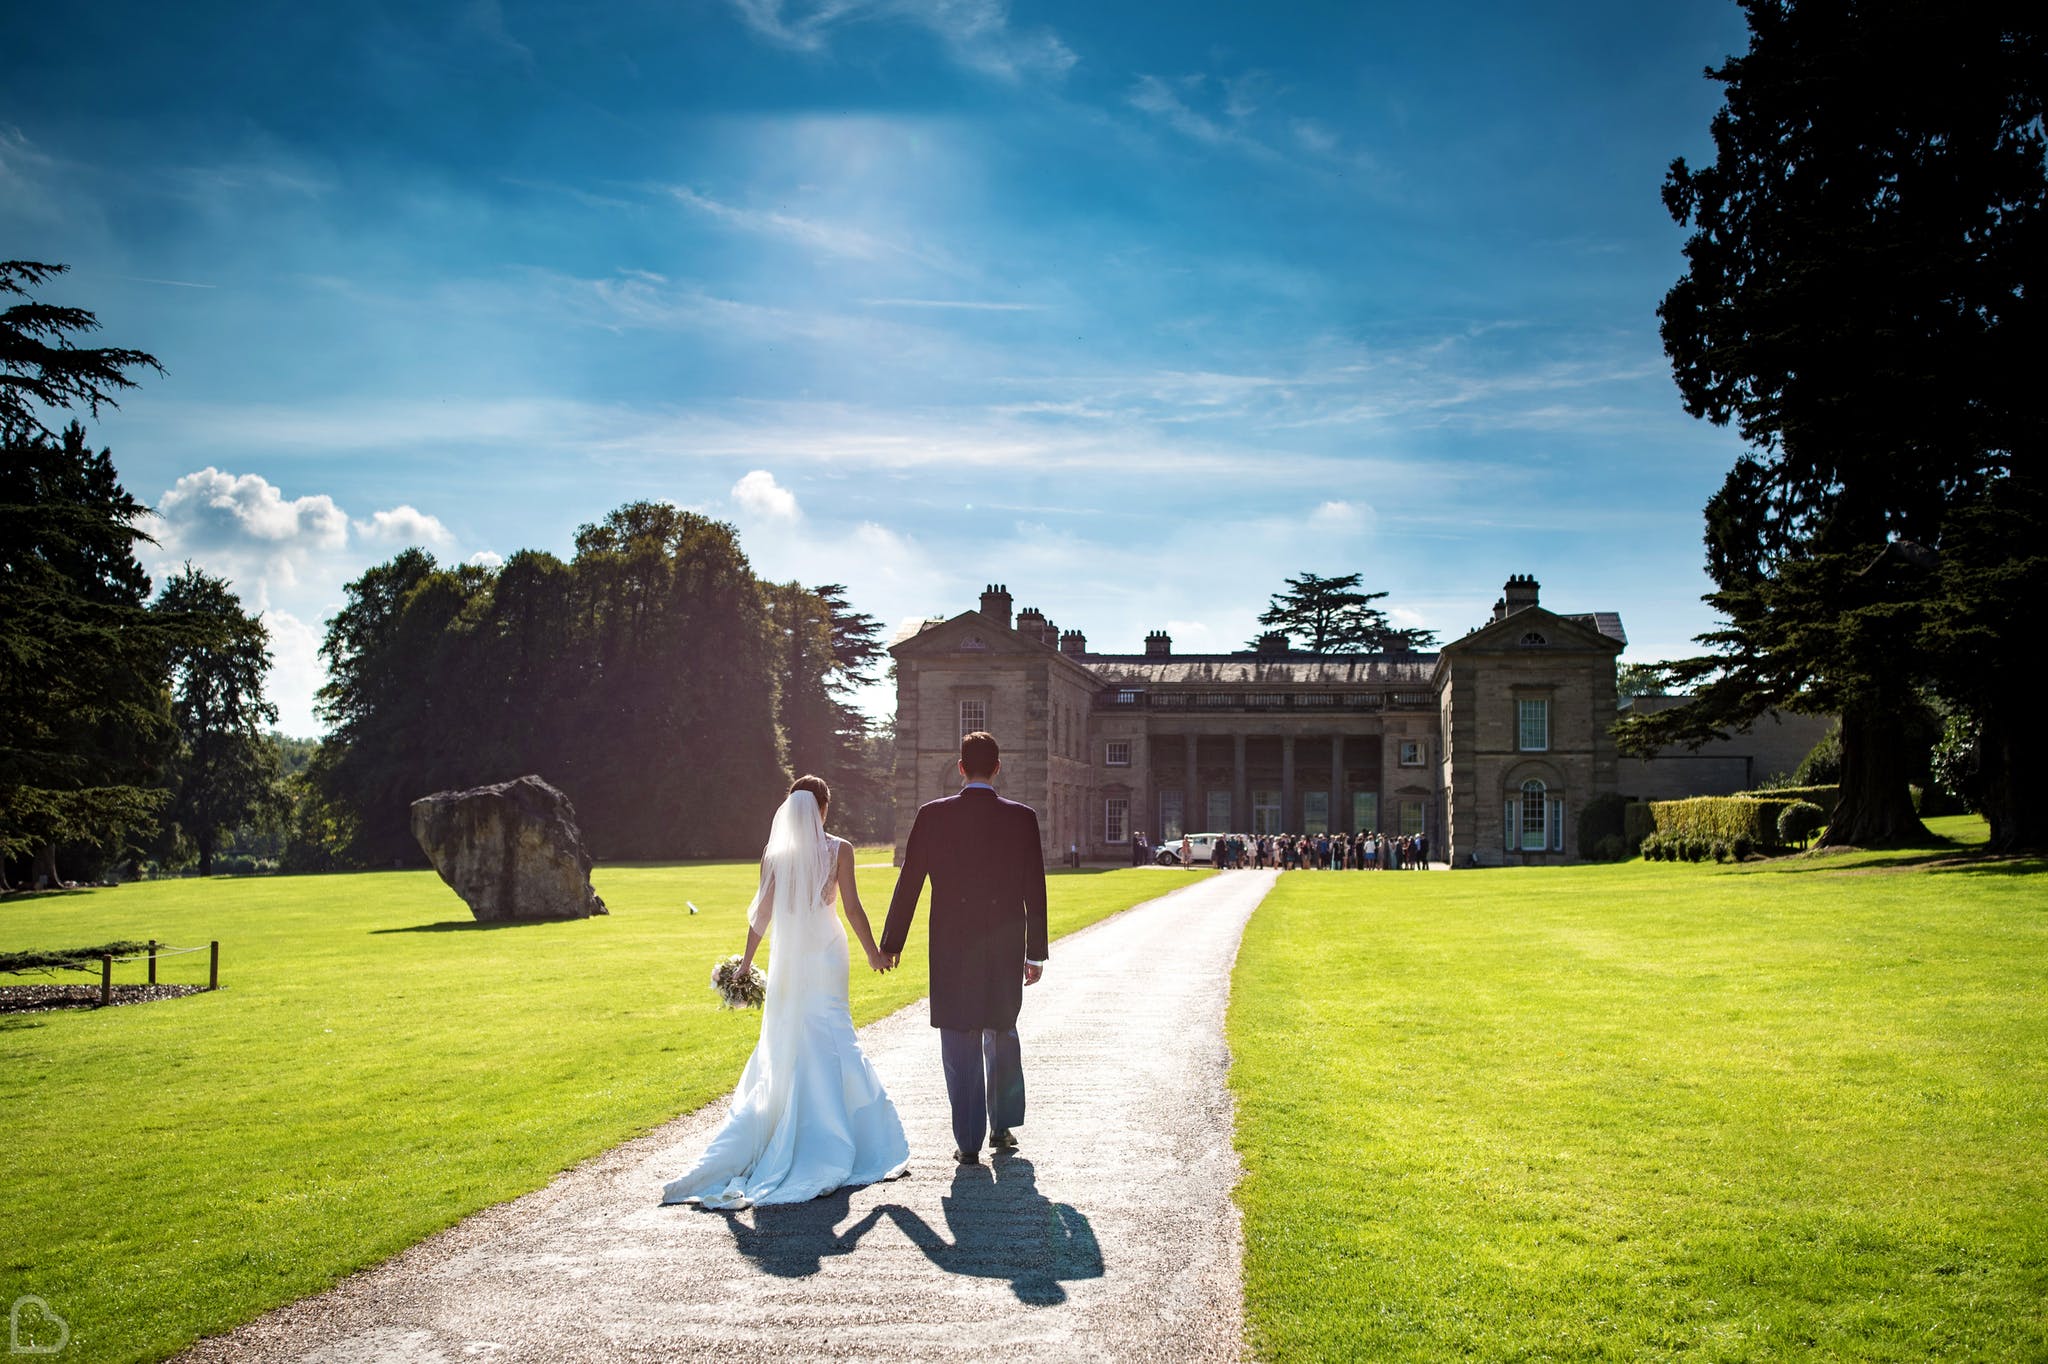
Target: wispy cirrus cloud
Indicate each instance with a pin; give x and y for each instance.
(1151, 95)
(830, 238)
(977, 34)
(1245, 117)
(961, 304)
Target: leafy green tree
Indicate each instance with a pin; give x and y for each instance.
(371, 705)
(225, 769)
(641, 678)
(1638, 679)
(677, 722)
(1863, 303)
(1331, 616)
(42, 368)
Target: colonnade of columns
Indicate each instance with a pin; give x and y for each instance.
(1194, 815)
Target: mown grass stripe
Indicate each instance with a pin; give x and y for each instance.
(1646, 1112)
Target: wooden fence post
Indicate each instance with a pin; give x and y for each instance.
(152, 961)
(213, 970)
(106, 979)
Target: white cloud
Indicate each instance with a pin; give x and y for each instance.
(212, 509)
(1340, 516)
(485, 558)
(405, 525)
(288, 558)
(759, 494)
(296, 672)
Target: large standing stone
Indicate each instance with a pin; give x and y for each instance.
(511, 851)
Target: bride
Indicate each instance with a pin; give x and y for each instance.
(810, 1114)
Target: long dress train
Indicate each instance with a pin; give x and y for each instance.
(810, 1114)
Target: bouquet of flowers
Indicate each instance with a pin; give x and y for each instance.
(739, 986)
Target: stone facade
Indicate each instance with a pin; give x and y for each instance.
(1525, 706)
(1271, 740)
(1772, 746)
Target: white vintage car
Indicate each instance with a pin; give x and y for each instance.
(1201, 848)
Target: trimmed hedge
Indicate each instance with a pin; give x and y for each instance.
(1823, 796)
(1692, 848)
(1726, 818)
(1801, 820)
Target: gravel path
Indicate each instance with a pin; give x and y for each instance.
(1110, 1235)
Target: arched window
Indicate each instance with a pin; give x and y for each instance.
(1533, 640)
(1534, 809)
(1535, 818)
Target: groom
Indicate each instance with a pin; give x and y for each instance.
(987, 941)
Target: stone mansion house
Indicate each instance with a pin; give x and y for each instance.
(1488, 746)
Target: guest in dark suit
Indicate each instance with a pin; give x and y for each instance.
(988, 941)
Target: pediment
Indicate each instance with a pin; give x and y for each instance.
(967, 635)
(1525, 628)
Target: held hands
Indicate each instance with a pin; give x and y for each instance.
(879, 960)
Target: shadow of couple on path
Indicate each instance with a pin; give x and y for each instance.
(1001, 1227)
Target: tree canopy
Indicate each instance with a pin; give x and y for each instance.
(1331, 616)
(652, 677)
(1863, 303)
(224, 769)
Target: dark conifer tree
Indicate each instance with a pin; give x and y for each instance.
(84, 724)
(1331, 616)
(42, 367)
(1863, 301)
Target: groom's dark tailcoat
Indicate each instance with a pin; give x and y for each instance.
(982, 856)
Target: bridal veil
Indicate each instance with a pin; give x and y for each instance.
(809, 1114)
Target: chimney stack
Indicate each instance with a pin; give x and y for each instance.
(1031, 622)
(1520, 593)
(1073, 642)
(1273, 642)
(1158, 644)
(1050, 636)
(995, 604)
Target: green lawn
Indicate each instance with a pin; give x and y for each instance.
(374, 1068)
(1785, 1110)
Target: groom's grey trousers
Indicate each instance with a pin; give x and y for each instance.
(984, 1082)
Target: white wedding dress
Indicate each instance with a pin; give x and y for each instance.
(810, 1114)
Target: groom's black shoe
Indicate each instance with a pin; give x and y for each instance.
(967, 1157)
(1002, 1139)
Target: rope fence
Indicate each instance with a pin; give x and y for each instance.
(157, 951)
(160, 952)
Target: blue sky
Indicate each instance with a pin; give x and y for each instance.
(1135, 308)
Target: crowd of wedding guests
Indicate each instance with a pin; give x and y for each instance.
(1361, 851)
